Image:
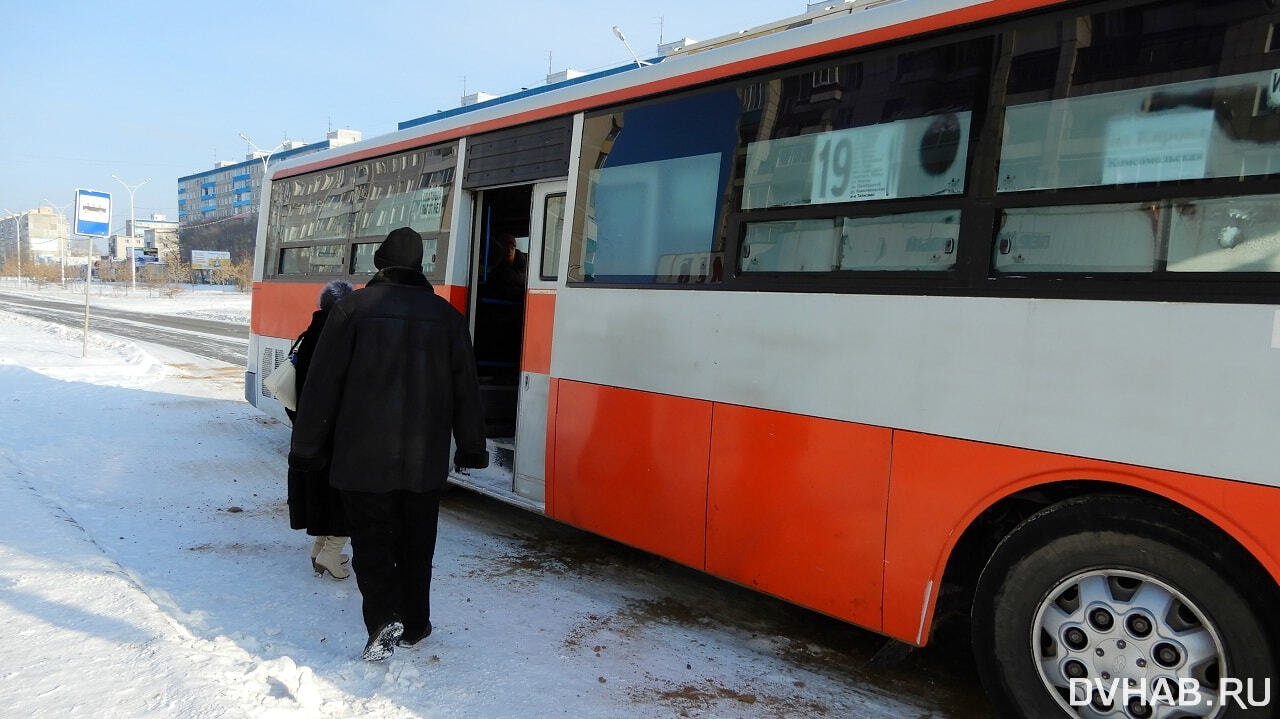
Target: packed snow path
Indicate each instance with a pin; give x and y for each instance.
(147, 569)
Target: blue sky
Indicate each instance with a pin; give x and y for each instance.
(161, 90)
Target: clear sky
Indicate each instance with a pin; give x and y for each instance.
(163, 89)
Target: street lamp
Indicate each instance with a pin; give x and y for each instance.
(62, 212)
(266, 157)
(17, 240)
(133, 269)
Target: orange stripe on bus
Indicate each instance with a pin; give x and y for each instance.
(940, 485)
(633, 466)
(283, 309)
(539, 314)
(961, 16)
(796, 508)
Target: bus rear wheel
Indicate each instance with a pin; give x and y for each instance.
(1118, 608)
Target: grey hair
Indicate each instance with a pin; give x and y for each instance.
(333, 292)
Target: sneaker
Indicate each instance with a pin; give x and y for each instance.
(408, 641)
(380, 646)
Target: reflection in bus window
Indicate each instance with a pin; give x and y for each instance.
(315, 259)
(892, 125)
(1230, 234)
(1224, 127)
(912, 242)
(1092, 238)
(907, 158)
(552, 232)
(655, 176)
(362, 257)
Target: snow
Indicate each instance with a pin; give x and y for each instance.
(211, 302)
(147, 570)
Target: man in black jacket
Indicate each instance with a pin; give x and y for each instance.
(392, 377)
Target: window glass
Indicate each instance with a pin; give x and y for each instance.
(408, 190)
(552, 232)
(362, 257)
(1163, 92)
(917, 241)
(1224, 127)
(315, 259)
(1224, 234)
(1227, 234)
(1091, 238)
(654, 188)
(872, 128)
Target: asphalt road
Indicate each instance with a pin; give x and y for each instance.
(225, 341)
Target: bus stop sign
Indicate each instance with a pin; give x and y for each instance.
(93, 213)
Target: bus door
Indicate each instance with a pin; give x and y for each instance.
(546, 230)
(514, 272)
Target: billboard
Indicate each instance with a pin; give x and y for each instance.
(93, 213)
(209, 259)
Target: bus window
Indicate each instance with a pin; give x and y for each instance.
(911, 242)
(655, 178)
(311, 260)
(552, 231)
(1147, 100)
(1227, 234)
(1087, 238)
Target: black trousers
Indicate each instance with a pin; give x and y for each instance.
(393, 537)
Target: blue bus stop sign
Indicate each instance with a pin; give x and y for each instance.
(93, 213)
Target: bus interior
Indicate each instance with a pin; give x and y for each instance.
(500, 263)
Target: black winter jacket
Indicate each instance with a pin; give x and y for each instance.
(392, 375)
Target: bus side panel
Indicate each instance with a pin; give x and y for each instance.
(539, 314)
(770, 468)
(632, 466)
(940, 485)
(283, 309)
(456, 295)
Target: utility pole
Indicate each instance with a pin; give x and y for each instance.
(128, 249)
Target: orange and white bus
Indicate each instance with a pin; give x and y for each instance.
(898, 311)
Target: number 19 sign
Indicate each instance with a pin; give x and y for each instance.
(93, 213)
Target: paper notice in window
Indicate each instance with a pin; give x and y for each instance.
(1157, 147)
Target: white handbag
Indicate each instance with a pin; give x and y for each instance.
(283, 380)
(283, 383)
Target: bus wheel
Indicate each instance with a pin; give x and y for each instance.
(1118, 607)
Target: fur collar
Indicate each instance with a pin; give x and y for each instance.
(400, 276)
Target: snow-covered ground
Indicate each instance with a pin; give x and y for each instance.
(147, 570)
(210, 302)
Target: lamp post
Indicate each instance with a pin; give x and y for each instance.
(266, 158)
(62, 212)
(133, 269)
(17, 240)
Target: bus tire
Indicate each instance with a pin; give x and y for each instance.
(1118, 588)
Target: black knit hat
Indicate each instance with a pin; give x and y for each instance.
(402, 248)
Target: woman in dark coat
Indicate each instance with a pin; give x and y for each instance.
(313, 504)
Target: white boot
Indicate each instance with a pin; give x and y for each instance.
(317, 545)
(329, 558)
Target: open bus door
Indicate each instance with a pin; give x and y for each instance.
(546, 230)
(510, 266)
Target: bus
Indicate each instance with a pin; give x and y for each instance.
(906, 312)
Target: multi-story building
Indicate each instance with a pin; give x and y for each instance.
(144, 234)
(41, 233)
(217, 209)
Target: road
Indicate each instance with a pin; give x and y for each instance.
(225, 341)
